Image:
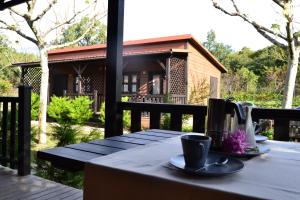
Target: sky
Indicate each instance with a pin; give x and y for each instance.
(158, 18)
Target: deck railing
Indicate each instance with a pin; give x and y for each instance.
(15, 131)
(156, 109)
(282, 119)
(156, 98)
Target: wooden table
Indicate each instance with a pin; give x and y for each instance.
(144, 173)
(73, 157)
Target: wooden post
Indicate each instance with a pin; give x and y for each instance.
(168, 65)
(114, 56)
(281, 129)
(95, 103)
(24, 118)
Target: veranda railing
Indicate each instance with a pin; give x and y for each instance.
(15, 131)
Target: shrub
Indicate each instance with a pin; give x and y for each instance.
(93, 135)
(35, 104)
(5, 86)
(199, 93)
(65, 134)
(126, 114)
(59, 109)
(166, 119)
(80, 110)
(64, 110)
(268, 133)
(68, 112)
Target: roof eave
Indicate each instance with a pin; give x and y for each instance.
(208, 55)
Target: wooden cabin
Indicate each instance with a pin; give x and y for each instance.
(152, 70)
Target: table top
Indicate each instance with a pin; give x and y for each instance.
(274, 175)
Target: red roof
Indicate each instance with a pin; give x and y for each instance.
(160, 45)
(126, 43)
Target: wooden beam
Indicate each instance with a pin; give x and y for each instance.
(11, 3)
(114, 55)
(161, 64)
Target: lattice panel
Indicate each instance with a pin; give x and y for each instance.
(32, 77)
(86, 84)
(96, 80)
(177, 76)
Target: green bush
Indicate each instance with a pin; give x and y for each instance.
(59, 109)
(93, 135)
(46, 170)
(35, 104)
(68, 112)
(81, 110)
(5, 86)
(126, 114)
(268, 133)
(65, 134)
(64, 110)
(166, 119)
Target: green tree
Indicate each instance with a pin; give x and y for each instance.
(56, 17)
(9, 75)
(285, 35)
(96, 35)
(218, 49)
(269, 57)
(237, 60)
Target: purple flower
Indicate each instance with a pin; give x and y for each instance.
(235, 142)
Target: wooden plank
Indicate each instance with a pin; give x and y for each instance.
(115, 144)
(155, 120)
(4, 133)
(93, 148)
(130, 140)
(114, 63)
(166, 131)
(159, 134)
(66, 158)
(75, 196)
(31, 194)
(12, 141)
(199, 123)
(24, 128)
(164, 107)
(281, 129)
(176, 121)
(135, 120)
(144, 137)
(55, 194)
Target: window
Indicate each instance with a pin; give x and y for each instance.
(130, 83)
(134, 83)
(125, 83)
(213, 87)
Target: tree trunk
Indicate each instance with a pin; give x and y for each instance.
(290, 81)
(43, 95)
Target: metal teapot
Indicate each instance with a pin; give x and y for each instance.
(220, 114)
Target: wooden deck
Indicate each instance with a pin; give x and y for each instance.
(13, 187)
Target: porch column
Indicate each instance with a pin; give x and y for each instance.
(168, 66)
(114, 56)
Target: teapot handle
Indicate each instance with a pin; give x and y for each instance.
(238, 109)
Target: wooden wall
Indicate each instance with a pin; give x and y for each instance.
(200, 68)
